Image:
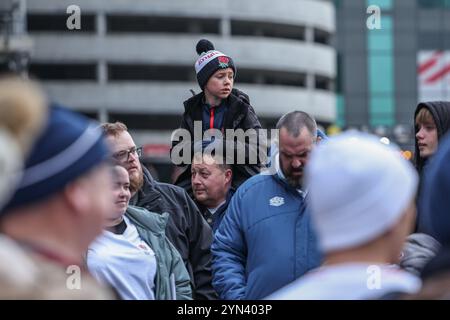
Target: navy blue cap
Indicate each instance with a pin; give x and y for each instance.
(69, 146)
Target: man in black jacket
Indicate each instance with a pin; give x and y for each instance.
(187, 230)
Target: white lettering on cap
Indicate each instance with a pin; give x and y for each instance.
(206, 58)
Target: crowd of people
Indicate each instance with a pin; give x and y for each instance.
(341, 217)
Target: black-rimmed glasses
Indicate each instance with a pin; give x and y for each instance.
(124, 155)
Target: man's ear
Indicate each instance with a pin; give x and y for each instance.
(228, 175)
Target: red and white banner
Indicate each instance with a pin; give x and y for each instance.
(433, 74)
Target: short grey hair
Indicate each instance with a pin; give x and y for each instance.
(295, 121)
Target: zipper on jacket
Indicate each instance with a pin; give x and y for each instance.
(211, 117)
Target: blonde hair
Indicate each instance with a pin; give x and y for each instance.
(114, 129)
(424, 116)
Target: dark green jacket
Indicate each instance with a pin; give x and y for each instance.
(151, 228)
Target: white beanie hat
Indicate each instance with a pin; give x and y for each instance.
(359, 188)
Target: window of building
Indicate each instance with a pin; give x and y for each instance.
(381, 110)
(267, 29)
(380, 61)
(339, 73)
(58, 23)
(383, 4)
(431, 40)
(64, 71)
(117, 72)
(271, 77)
(137, 121)
(321, 36)
(433, 3)
(134, 23)
(323, 83)
(381, 77)
(145, 72)
(340, 108)
(90, 114)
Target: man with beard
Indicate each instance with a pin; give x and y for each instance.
(186, 228)
(265, 240)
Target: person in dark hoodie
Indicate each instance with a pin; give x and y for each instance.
(431, 122)
(219, 106)
(186, 228)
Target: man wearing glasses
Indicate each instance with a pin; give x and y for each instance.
(131, 157)
(186, 229)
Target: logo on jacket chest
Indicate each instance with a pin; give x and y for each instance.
(276, 201)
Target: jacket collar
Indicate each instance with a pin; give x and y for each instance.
(219, 210)
(148, 191)
(235, 112)
(145, 219)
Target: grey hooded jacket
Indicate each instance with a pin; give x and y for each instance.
(419, 248)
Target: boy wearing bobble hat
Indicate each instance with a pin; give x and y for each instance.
(362, 222)
(219, 106)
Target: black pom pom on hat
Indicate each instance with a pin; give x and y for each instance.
(204, 45)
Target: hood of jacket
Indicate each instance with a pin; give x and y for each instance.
(419, 248)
